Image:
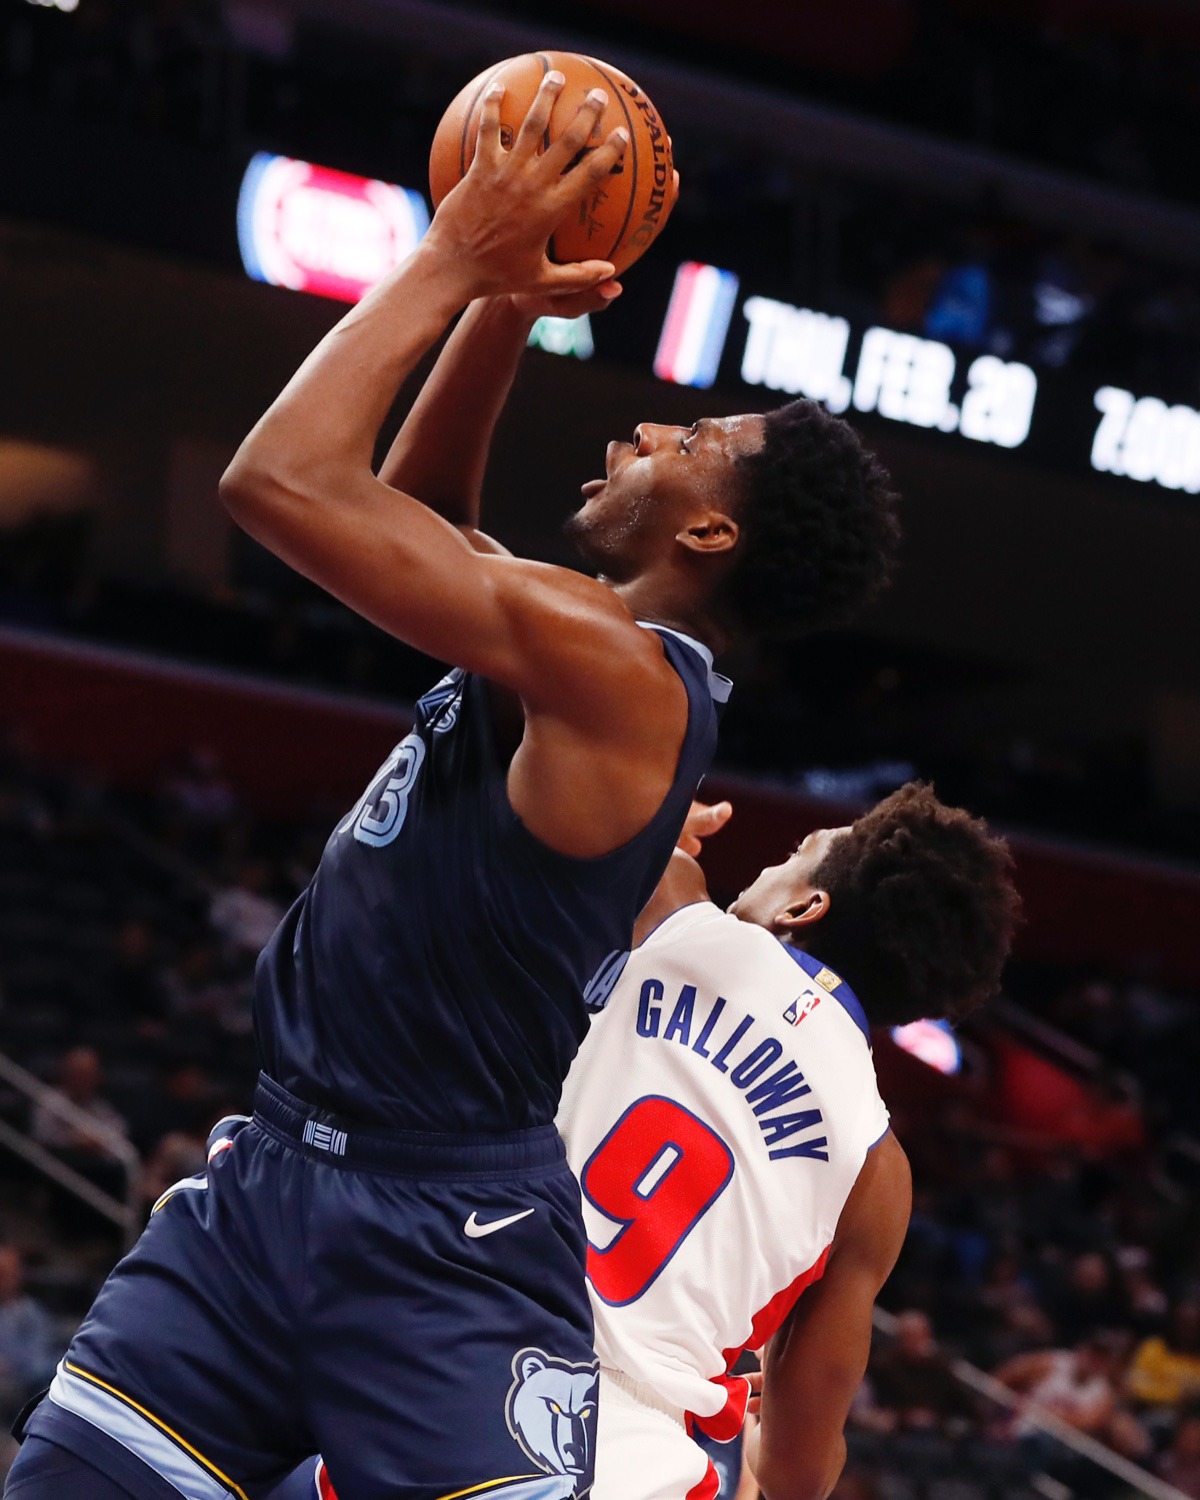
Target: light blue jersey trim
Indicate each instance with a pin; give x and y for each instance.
(719, 687)
(134, 1433)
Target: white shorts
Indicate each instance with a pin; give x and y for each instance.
(643, 1451)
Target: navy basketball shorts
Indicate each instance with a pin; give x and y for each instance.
(411, 1307)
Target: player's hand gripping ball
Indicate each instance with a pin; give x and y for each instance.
(621, 217)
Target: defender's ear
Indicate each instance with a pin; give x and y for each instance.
(803, 911)
(711, 531)
(529, 1364)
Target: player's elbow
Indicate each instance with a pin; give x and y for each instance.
(250, 488)
(241, 487)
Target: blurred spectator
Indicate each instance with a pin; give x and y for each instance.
(1008, 1300)
(183, 1098)
(135, 979)
(1180, 1464)
(1078, 1386)
(1166, 1369)
(30, 1343)
(177, 1155)
(80, 1078)
(1088, 1297)
(202, 987)
(912, 1379)
(243, 914)
(963, 304)
(200, 789)
(1146, 1300)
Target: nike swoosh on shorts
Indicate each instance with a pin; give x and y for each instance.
(474, 1230)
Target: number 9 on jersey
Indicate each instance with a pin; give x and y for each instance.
(655, 1174)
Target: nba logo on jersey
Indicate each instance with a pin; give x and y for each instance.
(801, 1006)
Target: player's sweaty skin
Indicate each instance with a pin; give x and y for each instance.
(598, 715)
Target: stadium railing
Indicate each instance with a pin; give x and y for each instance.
(1051, 1459)
(124, 1213)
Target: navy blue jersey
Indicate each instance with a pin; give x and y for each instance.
(437, 972)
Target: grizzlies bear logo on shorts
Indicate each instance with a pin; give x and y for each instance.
(551, 1411)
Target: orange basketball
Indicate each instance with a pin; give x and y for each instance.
(623, 216)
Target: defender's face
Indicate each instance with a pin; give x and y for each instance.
(655, 483)
(780, 887)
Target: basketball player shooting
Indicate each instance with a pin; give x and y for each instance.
(386, 1264)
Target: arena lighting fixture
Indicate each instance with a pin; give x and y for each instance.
(316, 230)
(696, 325)
(931, 1042)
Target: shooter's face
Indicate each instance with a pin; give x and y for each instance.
(785, 887)
(658, 486)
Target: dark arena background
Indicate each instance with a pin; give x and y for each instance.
(972, 226)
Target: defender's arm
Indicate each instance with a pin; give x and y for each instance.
(816, 1362)
(683, 882)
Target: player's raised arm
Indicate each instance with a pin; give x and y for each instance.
(816, 1362)
(302, 483)
(441, 452)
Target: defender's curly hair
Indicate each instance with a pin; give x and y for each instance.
(922, 908)
(819, 528)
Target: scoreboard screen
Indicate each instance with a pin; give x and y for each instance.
(318, 230)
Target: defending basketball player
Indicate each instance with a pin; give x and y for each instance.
(386, 1263)
(741, 1185)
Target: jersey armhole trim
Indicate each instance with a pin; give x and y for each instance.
(694, 727)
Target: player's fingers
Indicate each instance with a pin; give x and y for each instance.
(533, 127)
(689, 845)
(489, 145)
(570, 303)
(704, 819)
(675, 177)
(596, 165)
(575, 276)
(577, 133)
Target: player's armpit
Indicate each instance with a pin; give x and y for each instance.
(816, 1362)
(479, 541)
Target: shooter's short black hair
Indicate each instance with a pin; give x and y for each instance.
(922, 908)
(818, 526)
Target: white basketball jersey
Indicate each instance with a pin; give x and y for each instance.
(717, 1116)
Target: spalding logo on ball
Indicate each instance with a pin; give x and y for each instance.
(621, 219)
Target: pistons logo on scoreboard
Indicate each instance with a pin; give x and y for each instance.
(316, 230)
(802, 1006)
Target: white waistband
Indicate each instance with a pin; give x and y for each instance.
(643, 1394)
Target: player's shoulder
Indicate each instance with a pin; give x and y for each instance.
(703, 922)
(581, 618)
(741, 956)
